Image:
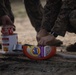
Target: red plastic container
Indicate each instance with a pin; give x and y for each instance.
(7, 30)
(39, 53)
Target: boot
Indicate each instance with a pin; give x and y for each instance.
(71, 48)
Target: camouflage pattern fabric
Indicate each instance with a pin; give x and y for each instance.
(5, 9)
(34, 10)
(66, 18)
(55, 16)
(42, 17)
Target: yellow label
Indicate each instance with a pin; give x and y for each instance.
(35, 51)
(5, 49)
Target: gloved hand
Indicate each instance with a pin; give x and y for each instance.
(7, 21)
(41, 33)
(46, 40)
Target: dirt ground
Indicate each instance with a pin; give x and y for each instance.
(53, 66)
(21, 65)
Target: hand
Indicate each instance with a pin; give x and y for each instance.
(41, 33)
(6, 20)
(45, 40)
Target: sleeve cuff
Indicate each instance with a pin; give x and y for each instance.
(54, 34)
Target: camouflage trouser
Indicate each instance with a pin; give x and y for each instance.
(42, 17)
(66, 20)
(8, 8)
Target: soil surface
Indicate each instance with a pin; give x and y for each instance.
(53, 66)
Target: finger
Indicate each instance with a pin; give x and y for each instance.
(38, 39)
(41, 42)
(45, 42)
(3, 22)
(14, 27)
(10, 22)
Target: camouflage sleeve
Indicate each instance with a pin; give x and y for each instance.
(34, 11)
(7, 4)
(62, 22)
(9, 9)
(50, 13)
(3, 10)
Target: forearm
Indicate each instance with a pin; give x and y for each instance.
(3, 10)
(51, 11)
(62, 23)
(34, 10)
(9, 9)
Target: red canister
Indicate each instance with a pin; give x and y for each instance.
(7, 30)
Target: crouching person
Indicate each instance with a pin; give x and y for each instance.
(66, 21)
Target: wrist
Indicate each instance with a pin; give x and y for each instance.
(54, 34)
